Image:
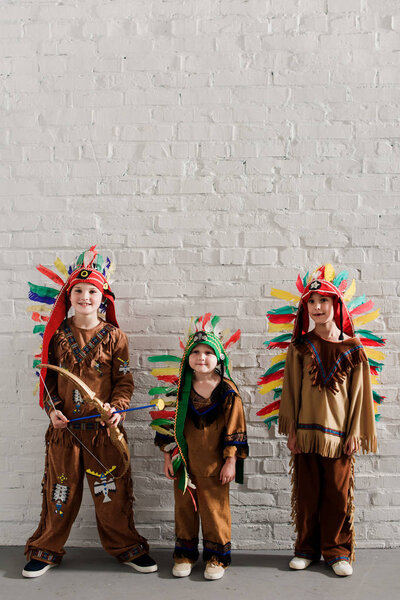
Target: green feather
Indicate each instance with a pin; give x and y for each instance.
(214, 321)
(377, 417)
(162, 422)
(39, 328)
(285, 310)
(98, 262)
(356, 302)
(271, 420)
(374, 363)
(164, 358)
(377, 397)
(368, 334)
(341, 277)
(36, 362)
(277, 393)
(168, 391)
(279, 365)
(280, 338)
(42, 290)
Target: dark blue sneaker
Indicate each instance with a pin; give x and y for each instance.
(143, 564)
(36, 568)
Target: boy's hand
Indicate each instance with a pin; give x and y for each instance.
(113, 419)
(228, 471)
(59, 420)
(292, 444)
(352, 445)
(168, 469)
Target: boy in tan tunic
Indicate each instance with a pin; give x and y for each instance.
(96, 352)
(327, 411)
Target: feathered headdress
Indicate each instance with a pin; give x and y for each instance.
(349, 312)
(53, 303)
(169, 424)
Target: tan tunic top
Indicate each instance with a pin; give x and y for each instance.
(100, 357)
(211, 440)
(327, 396)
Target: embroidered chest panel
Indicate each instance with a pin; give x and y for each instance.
(81, 353)
(330, 361)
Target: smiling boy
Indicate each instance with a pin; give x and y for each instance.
(327, 412)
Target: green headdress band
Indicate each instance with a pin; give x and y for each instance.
(185, 386)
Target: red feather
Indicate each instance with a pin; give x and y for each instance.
(368, 342)
(278, 345)
(206, 318)
(168, 378)
(267, 409)
(299, 284)
(162, 414)
(373, 370)
(343, 285)
(280, 318)
(363, 308)
(181, 344)
(270, 377)
(50, 274)
(233, 339)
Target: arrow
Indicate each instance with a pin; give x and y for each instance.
(158, 402)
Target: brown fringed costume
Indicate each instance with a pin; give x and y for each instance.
(326, 400)
(100, 357)
(215, 429)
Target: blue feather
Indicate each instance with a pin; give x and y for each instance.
(36, 298)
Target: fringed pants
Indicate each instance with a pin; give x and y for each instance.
(212, 500)
(66, 464)
(323, 507)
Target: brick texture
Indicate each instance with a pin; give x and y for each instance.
(213, 148)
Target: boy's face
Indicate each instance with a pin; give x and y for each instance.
(85, 298)
(320, 308)
(202, 359)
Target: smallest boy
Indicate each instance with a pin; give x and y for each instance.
(210, 436)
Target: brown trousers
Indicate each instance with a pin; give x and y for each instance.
(66, 464)
(323, 507)
(213, 509)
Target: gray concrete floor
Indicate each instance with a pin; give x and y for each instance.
(91, 574)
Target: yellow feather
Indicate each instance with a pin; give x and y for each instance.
(329, 272)
(58, 263)
(282, 295)
(161, 430)
(267, 387)
(280, 326)
(191, 327)
(38, 308)
(278, 358)
(271, 414)
(36, 389)
(225, 335)
(363, 319)
(374, 354)
(349, 293)
(374, 380)
(165, 371)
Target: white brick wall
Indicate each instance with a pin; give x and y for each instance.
(213, 148)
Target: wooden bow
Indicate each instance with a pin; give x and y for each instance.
(89, 396)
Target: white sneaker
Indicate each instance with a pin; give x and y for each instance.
(213, 570)
(342, 568)
(299, 563)
(182, 569)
